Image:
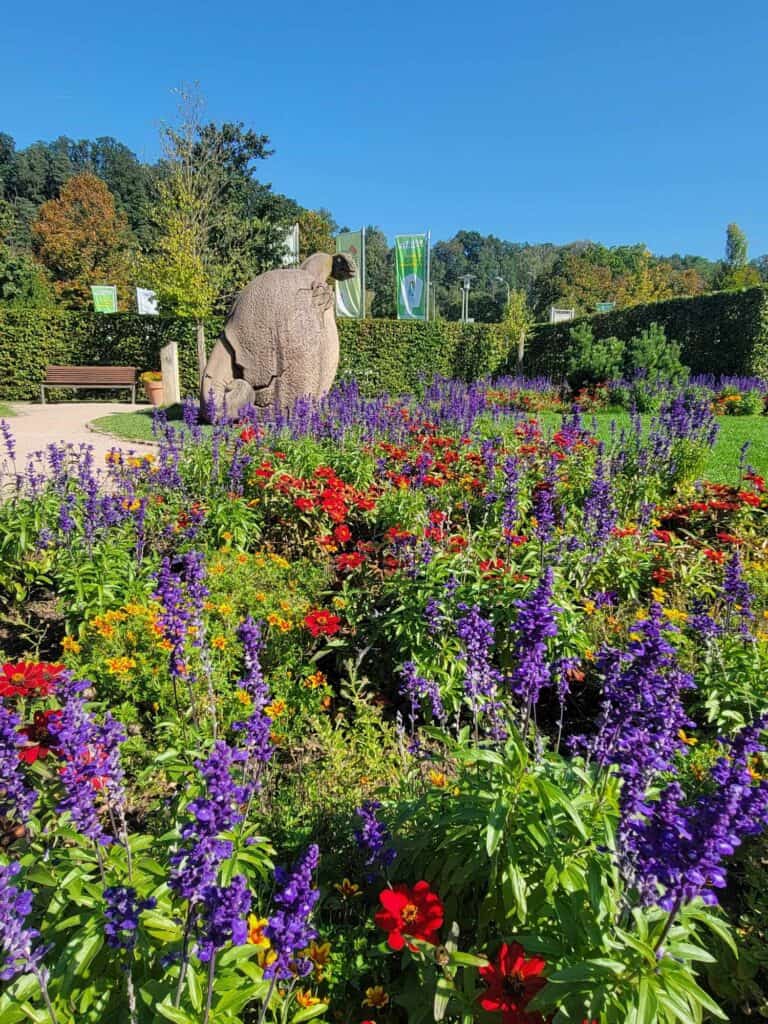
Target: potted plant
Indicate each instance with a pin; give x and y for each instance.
(153, 386)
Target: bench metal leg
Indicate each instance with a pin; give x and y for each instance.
(42, 394)
(133, 394)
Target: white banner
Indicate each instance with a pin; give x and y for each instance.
(559, 316)
(291, 244)
(146, 302)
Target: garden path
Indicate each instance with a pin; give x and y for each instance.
(35, 426)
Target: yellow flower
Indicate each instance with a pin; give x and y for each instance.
(275, 709)
(658, 594)
(589, 655)
(220, 643)
(339, 602)
(120, 666)
(315, 681)
(260, 596)
(689, 741)
(306, 999)
(70, 645)
(227, 536)
(346, 889)
(256, 936)
(244, 697)
(216, 569)
(437, 779)
(285, 606)
(225, 609)
(376, 996)
(279, 560)
(241, 558)
(590, 607)
(635, 636)
(675, 615)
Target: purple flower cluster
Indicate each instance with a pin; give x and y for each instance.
(600, 514)
(289, 929)
(736, 591)
(373, 836)
(419, 692)
(17, 941)
(257, 727)
(681, 846)
(196, 862)
(642, 710)
(224, 910)
(16, 798)
(91, 773)
(481, 679)
(182, 594)
(535, 623)
(121, 915)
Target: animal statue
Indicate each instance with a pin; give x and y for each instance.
(280, 340)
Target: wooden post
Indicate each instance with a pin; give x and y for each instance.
(169, 364)
(520, 348)
(202, 355)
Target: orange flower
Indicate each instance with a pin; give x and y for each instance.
(375, 996)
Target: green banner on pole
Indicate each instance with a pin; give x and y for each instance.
(350, 296)
(411, 272)
(605, 307)
(104, 298)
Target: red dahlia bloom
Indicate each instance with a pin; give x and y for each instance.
(416, 912)
(342, 533)
(28, 679)
(512, 983)
(321, 622)
(304, 504)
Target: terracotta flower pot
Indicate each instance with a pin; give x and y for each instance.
(154, 391)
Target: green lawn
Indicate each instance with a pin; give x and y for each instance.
(722, 465)
(5, 411)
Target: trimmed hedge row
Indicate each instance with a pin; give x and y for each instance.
(722, 333)
(30, 340)
(383, 355)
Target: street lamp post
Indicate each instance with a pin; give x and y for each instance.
(465, 298)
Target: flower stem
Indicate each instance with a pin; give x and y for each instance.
(209, 996)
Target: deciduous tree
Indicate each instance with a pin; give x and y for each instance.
(83, 239)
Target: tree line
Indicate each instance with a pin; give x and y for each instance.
(198, 223)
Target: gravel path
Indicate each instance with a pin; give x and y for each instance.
(35, 426)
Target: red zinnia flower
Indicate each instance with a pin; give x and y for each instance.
(416, 912)
(247, 434)
(320, 622)
(28, 679)
(661, 576)
(304, 504)
(718, 557)
(353, 560)
(41, 740)
(663, 535)
(512, 983)
(728, 538)
(342, 533)
(750, 499)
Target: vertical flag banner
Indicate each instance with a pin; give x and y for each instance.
(350, 294)
(146, 302)
(104, 298)
(411, 274)
(291, 246)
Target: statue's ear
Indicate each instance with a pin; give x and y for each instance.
(319, 265)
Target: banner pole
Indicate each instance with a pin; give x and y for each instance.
(429, 269)
(362, 274)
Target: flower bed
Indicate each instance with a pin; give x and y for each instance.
(385, 710)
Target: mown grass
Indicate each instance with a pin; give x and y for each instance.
(5, 411)
(722, 464)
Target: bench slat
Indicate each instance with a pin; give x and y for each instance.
(124, 375)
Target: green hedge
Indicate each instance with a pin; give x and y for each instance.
(384, 355)
(721, 333)
(30, 340)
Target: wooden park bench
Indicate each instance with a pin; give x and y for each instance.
(89, 377)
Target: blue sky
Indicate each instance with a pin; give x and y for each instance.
(532, 121)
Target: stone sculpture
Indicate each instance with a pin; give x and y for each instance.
(280, 340)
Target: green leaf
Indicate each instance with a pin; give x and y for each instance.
(443, 992)
(469, 960)
(308, 1012)
(174, 1013)
(195, 990)
(647, 1004)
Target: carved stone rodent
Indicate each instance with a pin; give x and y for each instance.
(280, 340)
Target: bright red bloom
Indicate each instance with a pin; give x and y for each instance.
(416, 912)
(457, 543)
(492, 566)
(758, 482)
(41, 741)
(353, 560)
(304, 504)
(248, 434)
(728, 538)
(512, 983)
(750, 499)
(342, 533)
(718, 557)
(661, 576)
(322, 623)
(663, 535)
(624, 531)
(28, 679)
(335, 508)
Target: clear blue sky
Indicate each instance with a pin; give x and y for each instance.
(532, 121)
